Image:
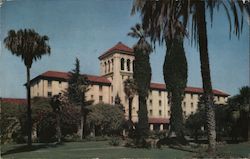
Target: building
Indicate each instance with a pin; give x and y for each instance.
(116, 65)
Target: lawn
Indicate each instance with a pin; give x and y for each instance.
(84, 150)
(102, 150)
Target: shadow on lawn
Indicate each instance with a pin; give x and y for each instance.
(26, 148)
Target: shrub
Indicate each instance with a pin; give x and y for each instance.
(11, 123)
(107, 119)
(115, 141)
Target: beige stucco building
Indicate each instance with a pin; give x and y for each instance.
(116, 65)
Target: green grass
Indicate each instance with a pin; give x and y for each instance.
(236, 150)
(84, 150)
(103, 150)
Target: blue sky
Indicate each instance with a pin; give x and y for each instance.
(87, 28)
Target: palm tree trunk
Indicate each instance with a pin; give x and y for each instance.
(205, 72)
(130, 100)
(143, 126)
(29, 119)
(84, 124)
(81, 124)
(58, 127)
(248, 125)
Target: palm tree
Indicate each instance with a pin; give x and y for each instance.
(142, 77)
(164, 18)
(175, 77)
(130, 92)
(31, 47)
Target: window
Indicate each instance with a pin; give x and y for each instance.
(111, 88)
(168, 113)
(159, 102)
(112, 100)
(112, 64)
(49, 94)
(150, 112)
(184, 113)
(60, 84)
(184, 104)
(159, 112)
(92, 96)
(100, 88)
(191, 95)
(105, 67)
(122, 64)
(49, 84)
(37, 84)
(150, 102)
(128, 65)
(37, 93)
(192, 105)
(159, 93)
(100, 99)
(108, 66)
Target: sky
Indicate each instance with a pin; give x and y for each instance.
(87, 28)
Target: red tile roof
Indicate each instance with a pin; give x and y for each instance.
(18, 101)
(66, 75)
(158, 120)
(161, 86)
(56, 74)
(120, 47)
(104, 80)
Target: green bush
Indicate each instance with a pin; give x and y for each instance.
(107, 119)
(11, 123)
(115, 141)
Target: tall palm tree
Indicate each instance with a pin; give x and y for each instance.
(162, 17)
(130, 92)
(142, 77)
(175, 77)
(30, 46)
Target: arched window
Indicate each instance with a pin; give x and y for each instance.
(128, 64)
(108, 66)
(122, 63)
(105, 67)
(112, 65)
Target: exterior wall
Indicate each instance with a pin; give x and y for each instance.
(154, 106)
(41, 87)
(99, 93)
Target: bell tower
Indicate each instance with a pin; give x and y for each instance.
(116, 64)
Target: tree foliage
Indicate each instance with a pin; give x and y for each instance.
(130, 89)
(142, 76)
(10, 123)
(76, 92)
(240, 113)
(30, 46)
(46, 122)
(163, 19)
(175, 76)
(106, 124)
